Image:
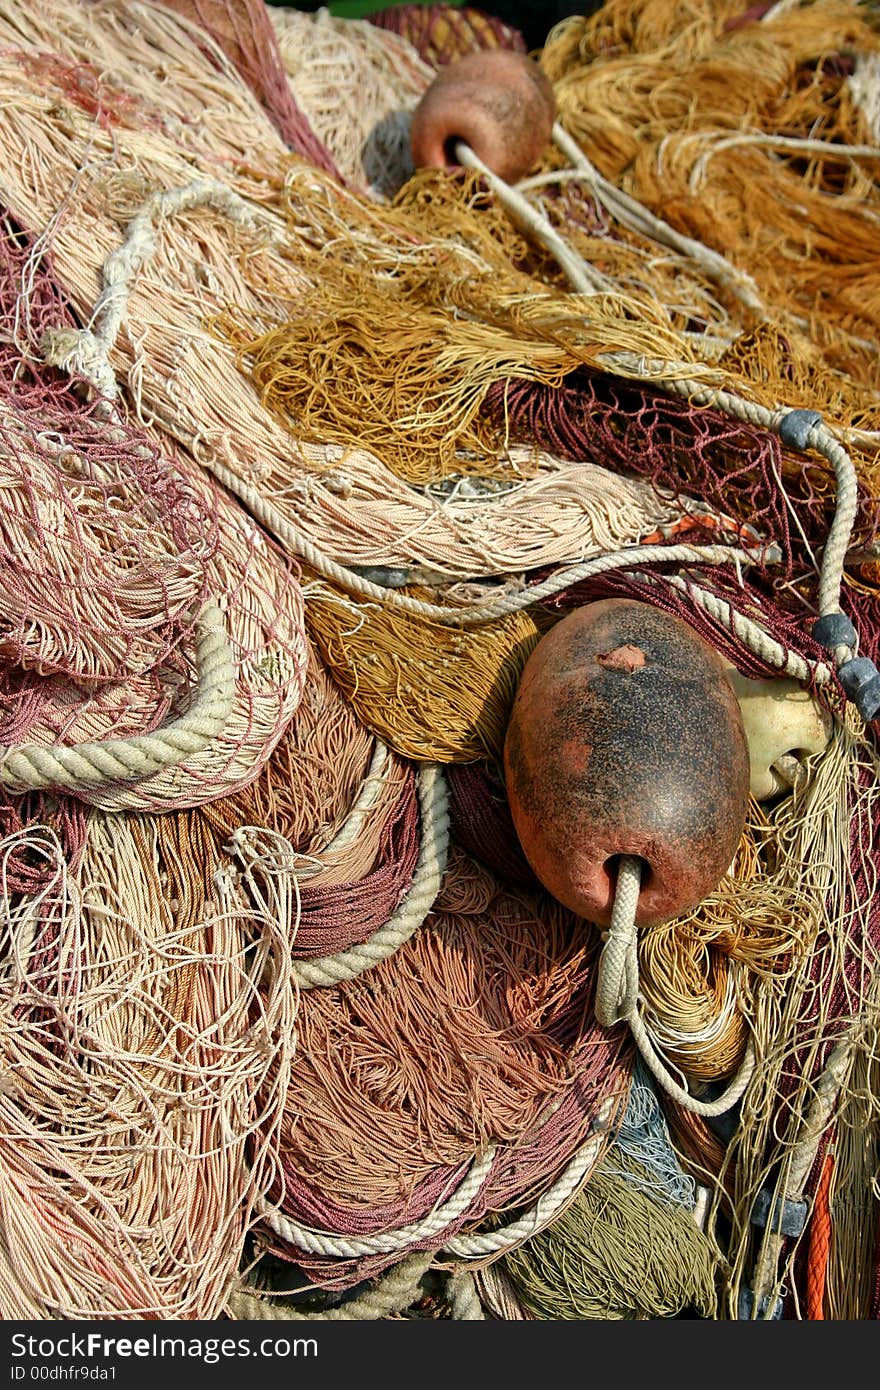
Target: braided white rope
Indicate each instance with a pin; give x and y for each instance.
(30, 767)
(749, 633)
(370, 790)
(549, 1204)
(617, 995)
(411, 913)
(617, 979)
(385, 1242)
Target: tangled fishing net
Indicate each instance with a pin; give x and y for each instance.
(302, 452)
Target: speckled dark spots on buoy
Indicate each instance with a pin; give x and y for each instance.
(626, 738)
(497, 101)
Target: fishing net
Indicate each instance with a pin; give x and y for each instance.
(460, 1077)
(441, 33)
(244, 34)
(311, 556)
(357, 87)
(135, 1043)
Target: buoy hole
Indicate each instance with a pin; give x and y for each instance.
(450, 153)
(611, 868)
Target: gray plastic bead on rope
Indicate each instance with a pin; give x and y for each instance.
(787, 1218)
(794, 428)
(834, 630)
(861, 681)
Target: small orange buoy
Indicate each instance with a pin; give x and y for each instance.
(498, 102)
(626, 738)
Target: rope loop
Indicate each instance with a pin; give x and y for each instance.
(29, 767)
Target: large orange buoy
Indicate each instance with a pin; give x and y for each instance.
(626, 738)
(498, 102)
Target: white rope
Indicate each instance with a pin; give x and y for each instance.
(316, 1242)
(617, 997)
(32, 767)
(581, 275)
(549, 1204)
(411, 913)
(369, 793)
(630, 213)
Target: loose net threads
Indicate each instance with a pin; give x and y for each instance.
(430, 693)
(443, 269)
(826, 848)
(616, 1253)
(699, 973)
(309, 784)
(687, 112)
(334, 916)
(330, 828)
(491, 999)
(355, 510)
(70, 52)
(440, 33)
(266, 637)
(853, 1202)
(136, 1041)
(357, 84)
(644, 1138)
(736, 468)
(482, 825)
(246, 36)
(104, 542)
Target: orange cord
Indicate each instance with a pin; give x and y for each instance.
(820, 1243)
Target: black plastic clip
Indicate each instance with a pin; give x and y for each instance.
(795, 427)
(834, 630)
(861, 681)
(788, 1218)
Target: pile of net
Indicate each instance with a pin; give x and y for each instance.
(303, 452)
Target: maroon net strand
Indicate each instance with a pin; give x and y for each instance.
(686, 451)
(243, 29)
(342, 915)
(440, 34)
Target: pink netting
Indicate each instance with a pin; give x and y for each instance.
(244, 31)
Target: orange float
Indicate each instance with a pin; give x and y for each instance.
(626, 738)
(498, 102)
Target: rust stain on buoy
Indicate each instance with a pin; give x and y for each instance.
(626, 658)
